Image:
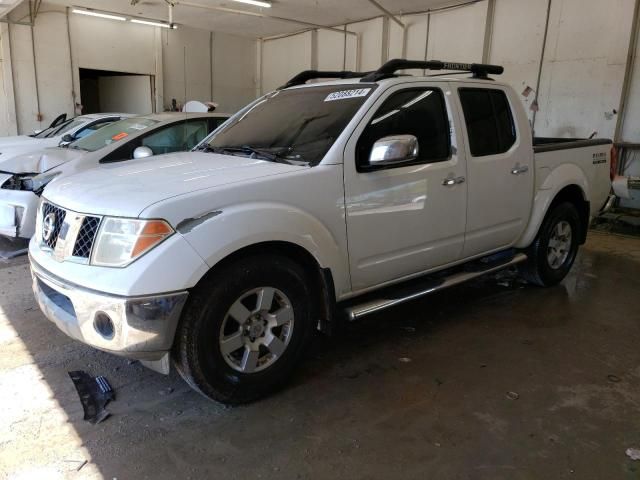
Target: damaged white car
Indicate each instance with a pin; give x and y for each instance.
(59, 133)
(23, 178)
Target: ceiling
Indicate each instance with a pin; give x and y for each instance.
(7, 5)
(322, 12)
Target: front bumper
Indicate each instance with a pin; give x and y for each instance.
(18, 213)
(142, 328)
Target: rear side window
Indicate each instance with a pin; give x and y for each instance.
(417, 111)
(489, 121)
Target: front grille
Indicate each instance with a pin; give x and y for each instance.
(59, 215)
(86, 236)
(71, 235)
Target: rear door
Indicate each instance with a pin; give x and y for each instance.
(499, 166)
(407, 218)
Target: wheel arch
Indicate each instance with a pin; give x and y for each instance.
(321, 278)
(545, 200)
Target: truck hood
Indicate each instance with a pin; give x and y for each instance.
(127, 188)
(39, 161)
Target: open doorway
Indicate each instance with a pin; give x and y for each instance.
(106, 91)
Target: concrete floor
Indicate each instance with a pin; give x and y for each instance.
(421, 391)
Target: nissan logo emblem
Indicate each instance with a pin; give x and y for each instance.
(48, 226)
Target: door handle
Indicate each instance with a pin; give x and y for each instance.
(451, 181)
(517, 170)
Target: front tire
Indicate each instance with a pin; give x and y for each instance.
(554, 250)
(245, 329)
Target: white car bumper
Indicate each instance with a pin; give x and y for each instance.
(18, 213)
(136, 327)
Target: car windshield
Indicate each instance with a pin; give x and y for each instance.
(112, 133)
(296, 126)
(58, 129)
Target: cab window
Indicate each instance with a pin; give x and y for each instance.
(420, 112)
(489, 121)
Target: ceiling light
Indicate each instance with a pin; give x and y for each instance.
(257, 3)
(154, 24)
(98, 14)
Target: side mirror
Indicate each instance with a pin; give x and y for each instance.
(66, 140)
(142, 152)
(394, 149)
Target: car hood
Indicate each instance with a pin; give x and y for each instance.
(11, 150)
(15, 140)
(39, 161)
(127, 188)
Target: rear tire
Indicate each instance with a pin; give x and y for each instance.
(554, 250)
(245, 329)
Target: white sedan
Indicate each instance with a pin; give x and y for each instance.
(23, 177)
(65, 132)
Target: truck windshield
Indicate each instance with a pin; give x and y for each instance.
(112, 133)
(296, 126)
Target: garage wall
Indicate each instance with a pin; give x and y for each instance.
(583, 68)
(524, 20)
(234, 71)
(458, 34)
(284, 57)
(7, 101)
(106, 44)
(202, 65)
(186, 65)
(582, 72)
(224, 68)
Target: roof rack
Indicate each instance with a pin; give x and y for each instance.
(388, 70)
(305, 76)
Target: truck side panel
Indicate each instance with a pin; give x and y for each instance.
(587, 167)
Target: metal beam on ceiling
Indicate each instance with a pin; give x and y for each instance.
(261, 15)
(387, 13)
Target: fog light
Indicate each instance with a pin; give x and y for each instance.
(104, 325)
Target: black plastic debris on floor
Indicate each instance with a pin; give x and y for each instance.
(95, 393)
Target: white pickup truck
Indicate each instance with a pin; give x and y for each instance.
(351, 195)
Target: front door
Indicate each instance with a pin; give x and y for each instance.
(406, 218)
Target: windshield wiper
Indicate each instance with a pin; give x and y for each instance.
(247, 149)
(208, 148)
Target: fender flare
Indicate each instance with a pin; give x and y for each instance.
(248, 224)
(563, 176)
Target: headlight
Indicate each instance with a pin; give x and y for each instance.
(121, 240)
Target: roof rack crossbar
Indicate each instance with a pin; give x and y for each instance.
(479, 70)
(306, 75)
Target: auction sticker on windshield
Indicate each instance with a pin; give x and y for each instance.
(357, 92)
(119, 136)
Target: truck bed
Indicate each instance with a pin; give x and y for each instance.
(591, 156)
(549, 144)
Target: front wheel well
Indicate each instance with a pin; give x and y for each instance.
(575, 195)
(321, 278)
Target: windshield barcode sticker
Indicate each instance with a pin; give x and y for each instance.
(358, 92)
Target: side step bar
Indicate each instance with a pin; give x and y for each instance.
(420, 289)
